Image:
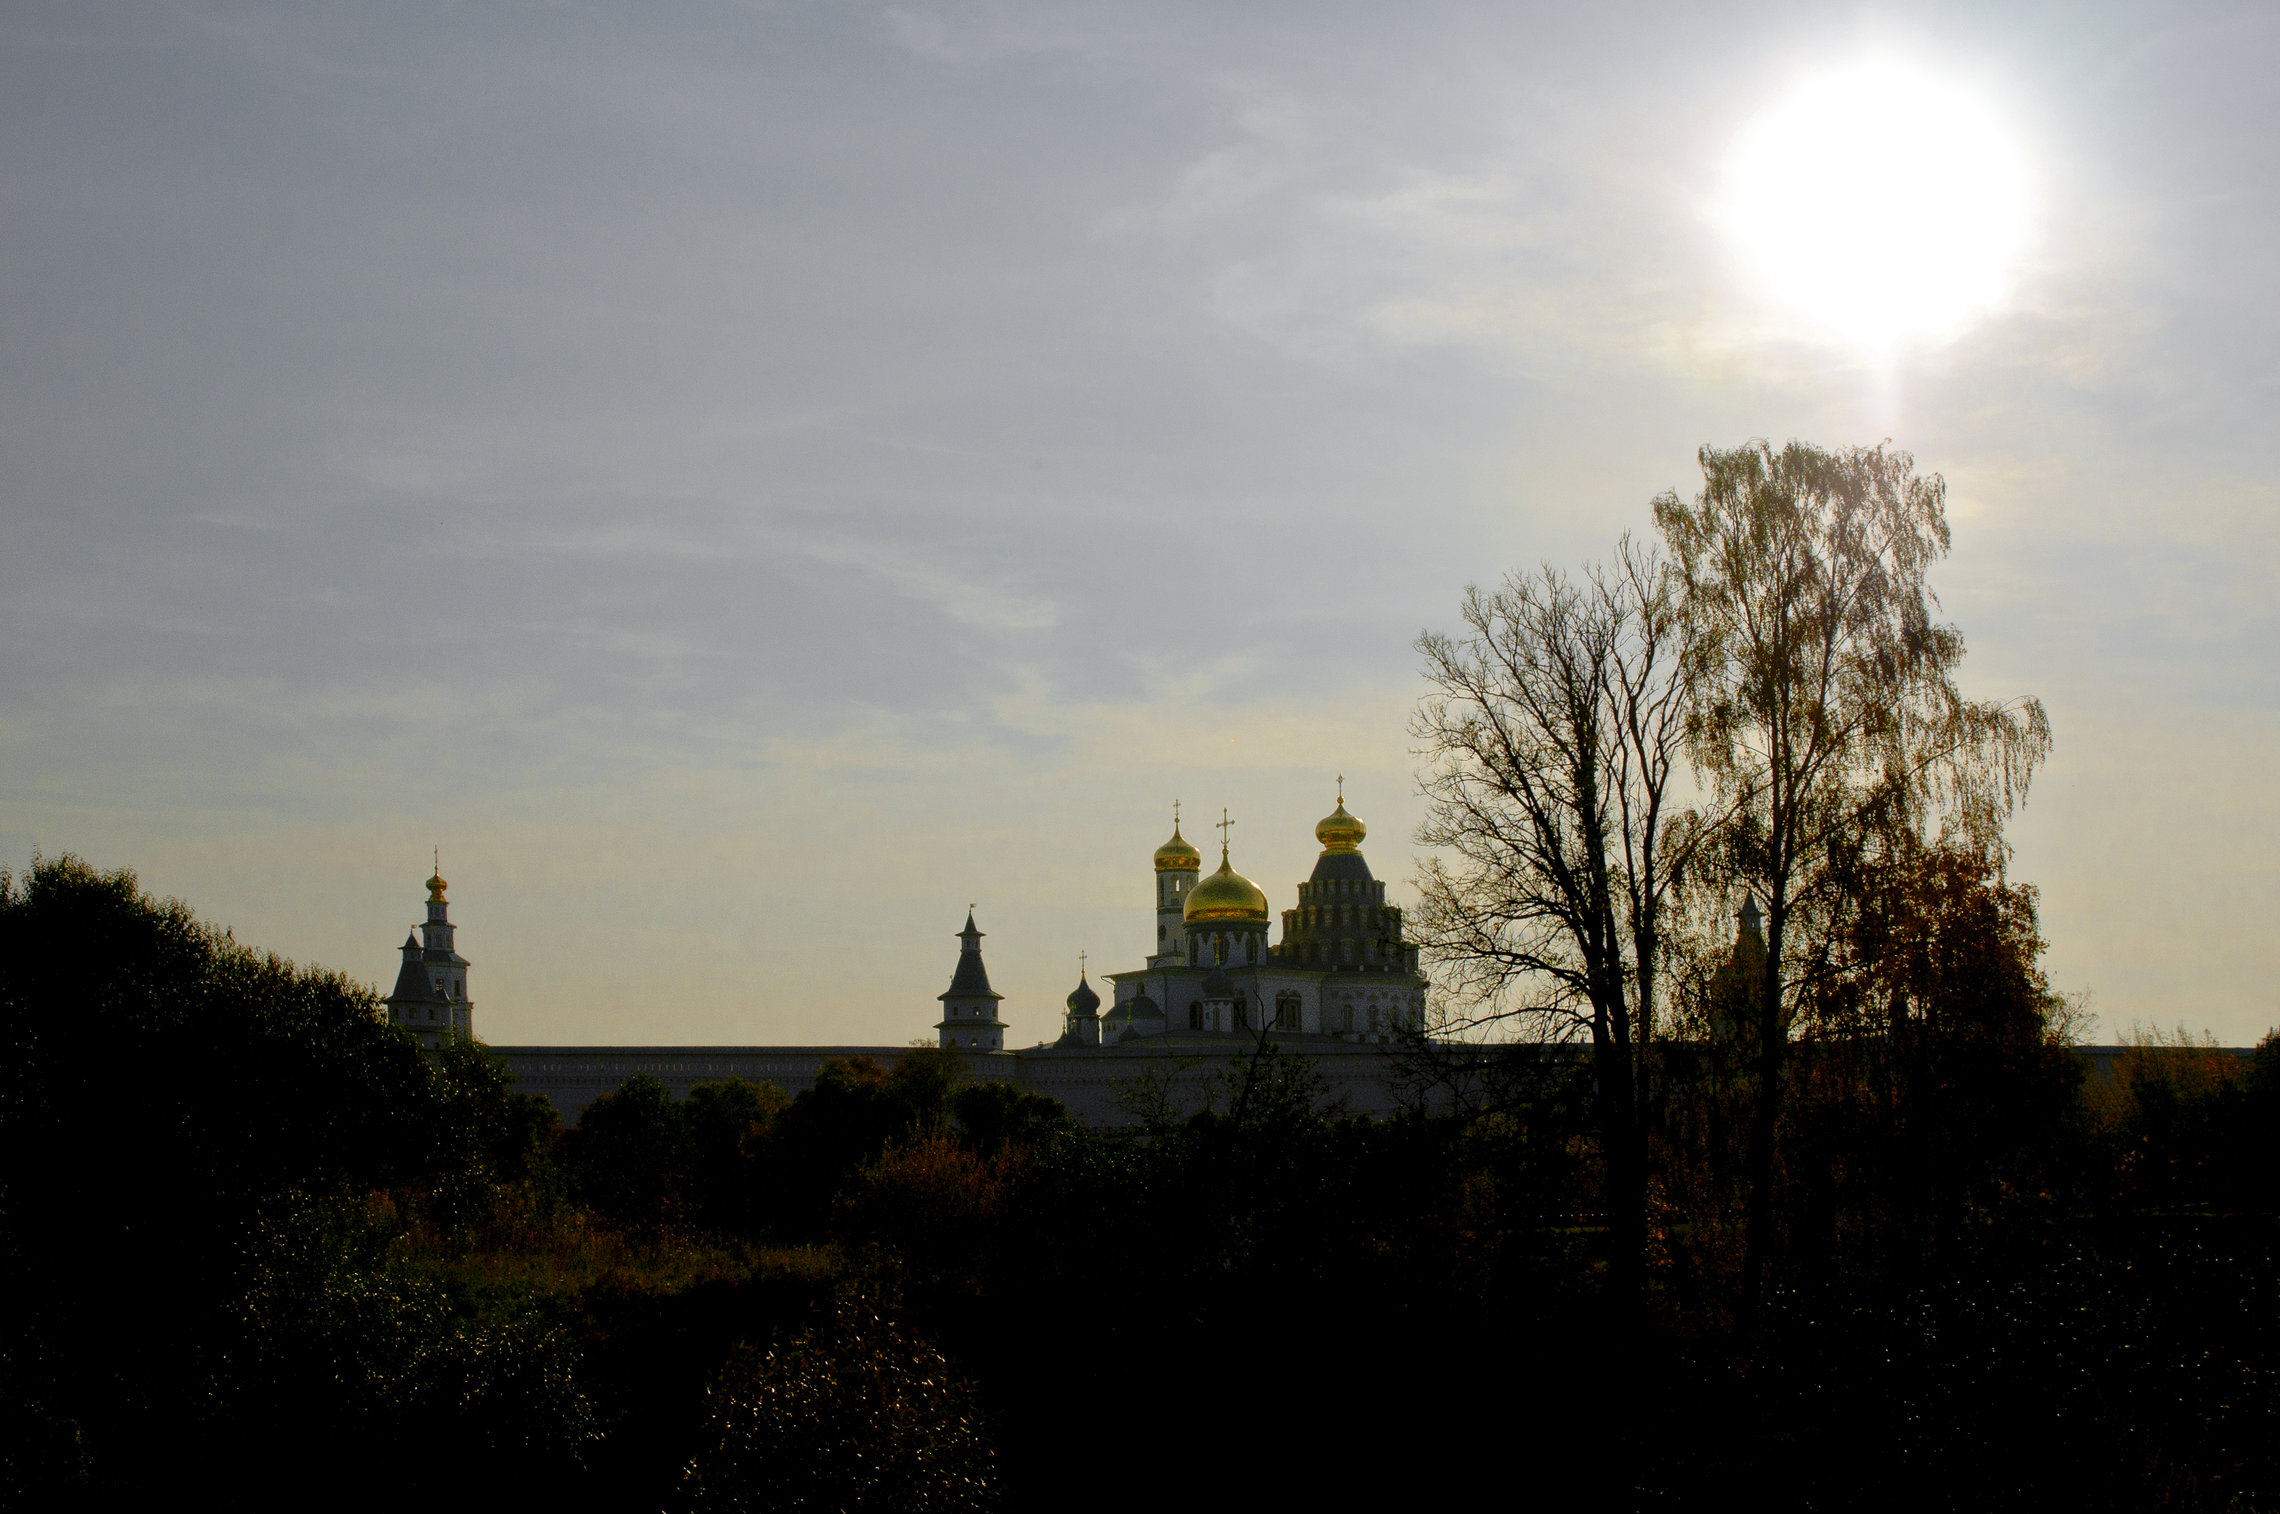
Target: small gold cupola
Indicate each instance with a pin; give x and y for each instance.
(1339, 831)
(1176, 855)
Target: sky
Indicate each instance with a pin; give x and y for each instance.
(748, 480)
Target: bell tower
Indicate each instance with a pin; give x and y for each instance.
(1177, 864)
(431, 987)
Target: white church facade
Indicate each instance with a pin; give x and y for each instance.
(1342, 971)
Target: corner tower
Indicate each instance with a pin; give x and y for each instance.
(430, 999)
(969, 1009)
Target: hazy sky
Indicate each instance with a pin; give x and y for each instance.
(750, 479)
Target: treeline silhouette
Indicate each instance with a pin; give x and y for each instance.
(256, 1243)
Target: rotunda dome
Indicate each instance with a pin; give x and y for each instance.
(1176, 855)
(1226, 895)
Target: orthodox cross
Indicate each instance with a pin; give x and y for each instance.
(1224, 825)
(1080, 964)
(1175, 814)
(1341, 788)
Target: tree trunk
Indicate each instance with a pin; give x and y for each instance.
(1626, 1194)
(1757, 1229)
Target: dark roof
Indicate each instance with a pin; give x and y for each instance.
(1082, 999)
(1340, 867)
(1217, 985)
(1140, 1007)
(414, 986)
(971, 980)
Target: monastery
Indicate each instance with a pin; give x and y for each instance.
(1336, 988)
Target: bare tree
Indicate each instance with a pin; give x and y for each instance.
(1825, 713)
(1551, 740)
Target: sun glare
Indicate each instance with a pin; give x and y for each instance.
(1880, 205)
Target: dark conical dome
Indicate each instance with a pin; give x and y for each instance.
(971, 980)
(1083, 1001)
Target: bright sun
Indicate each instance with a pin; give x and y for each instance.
(1881, 205)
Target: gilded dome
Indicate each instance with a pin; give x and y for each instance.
(1225, 895)
(436, 886)
(1176, 856)
(1339, 831)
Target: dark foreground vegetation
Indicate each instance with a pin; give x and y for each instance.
(256, 1244)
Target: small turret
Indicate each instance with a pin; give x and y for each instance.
(1081, 1025)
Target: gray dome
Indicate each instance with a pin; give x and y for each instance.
(1217, 985)
(1083, 1001)
(1141, 1007)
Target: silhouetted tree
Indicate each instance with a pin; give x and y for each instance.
(731, 1125)
(1941, 1072)
(164, 1092)
(992, 1116)
(1826, 712)
(632, 1158)
(1552, 736)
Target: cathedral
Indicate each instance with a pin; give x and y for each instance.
(1342, 971)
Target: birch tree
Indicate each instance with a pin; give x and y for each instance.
(1824, 714)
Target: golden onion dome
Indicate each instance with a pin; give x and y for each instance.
(1339, 831)
(435, 888)
(1225, 895)
(1176, 856)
